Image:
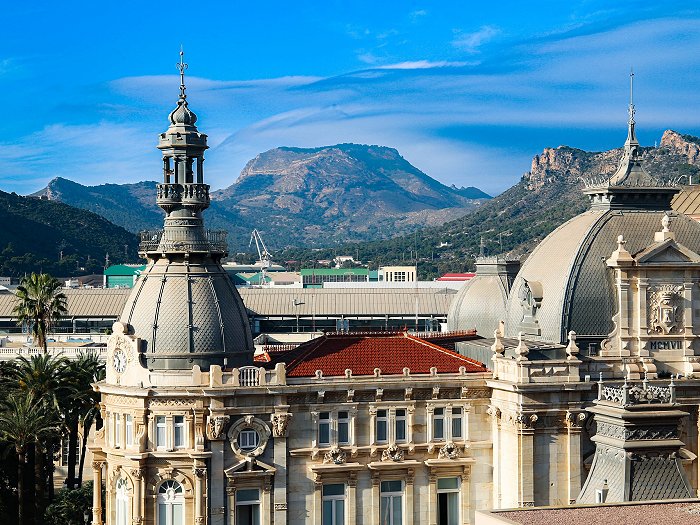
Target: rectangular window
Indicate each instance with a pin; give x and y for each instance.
(179, 431)
(129, 430)
(117, 430)
(456, 423)
(400, 425)
(247, 507)
(324, 428)
(382, 424)
(439, 423)
(160, 432)
(248, 439)
(344, 428)
(448, 501)
(334, 504)
(391, 503)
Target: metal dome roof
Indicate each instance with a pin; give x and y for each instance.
(565, 284)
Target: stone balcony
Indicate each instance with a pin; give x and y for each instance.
(193, 194)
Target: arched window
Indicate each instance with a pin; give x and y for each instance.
(171, 503)
(122, 503)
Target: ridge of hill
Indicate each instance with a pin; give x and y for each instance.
(53, 237)
(515, 221)
(298, 196)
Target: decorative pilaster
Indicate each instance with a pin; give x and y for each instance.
(574, 422)
(352, 499)
(410, 509)
(280, 431)
(525, 428)
(432, 499)
(200, 475)
(97, 467)
(136, 507)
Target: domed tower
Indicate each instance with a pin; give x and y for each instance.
(565, 285)
(184, 309)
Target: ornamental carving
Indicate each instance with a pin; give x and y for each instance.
(665, 309)
(199, 472)
(172, 402)
(448, 451)
(279, 424)
(662, 432)
(392, 453)
(216, 427)
(575, 419)
(335, 456)
(136, 473)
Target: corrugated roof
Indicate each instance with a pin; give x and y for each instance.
(106, 303)
(334, 271)
(390, 352)
(82, 302)
(350, 301)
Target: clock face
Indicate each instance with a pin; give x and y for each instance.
(119, 361)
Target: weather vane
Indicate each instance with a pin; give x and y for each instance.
(181, 66)
(631, 108)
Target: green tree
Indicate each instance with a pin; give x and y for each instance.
(70, 506)
(82, 408)
(24, 421)
(40, 303)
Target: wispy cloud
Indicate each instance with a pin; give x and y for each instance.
(425, 64)
(472, 42)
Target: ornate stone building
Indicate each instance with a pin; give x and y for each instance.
(393, 428)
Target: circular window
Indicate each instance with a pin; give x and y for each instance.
(249, 436)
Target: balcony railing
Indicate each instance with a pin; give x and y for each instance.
(152, 241)
(185, 193)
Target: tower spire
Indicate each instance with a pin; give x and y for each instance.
(182, 66)
(631, 135)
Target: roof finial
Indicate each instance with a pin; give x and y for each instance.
(482, 246)
(182, 65)
(631, 107)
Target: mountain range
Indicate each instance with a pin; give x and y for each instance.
(515, 221)
(297, 197)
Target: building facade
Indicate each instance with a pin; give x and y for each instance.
(394, 429)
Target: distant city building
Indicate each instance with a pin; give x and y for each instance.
(122, 275)
(315, 277)
(398, 274)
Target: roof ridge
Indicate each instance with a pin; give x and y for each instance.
(306, 353)
(445, 350)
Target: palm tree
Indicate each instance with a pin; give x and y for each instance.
(25, 420)
(83, 408)
(40, 304)
(48, 378)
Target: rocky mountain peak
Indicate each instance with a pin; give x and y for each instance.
(685, 145)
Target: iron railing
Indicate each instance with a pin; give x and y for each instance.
(152, 241)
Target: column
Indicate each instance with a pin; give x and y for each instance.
(97, 493)
(410, 510)
(318, 502)
(352, 499)
(432, 498)
(217, 507)
(265, 503)
(279, 430)
(574, 421)
(137, 476)
(200, 474)
(231, 497)
(375, 500)
(526, 459)
(465, 495)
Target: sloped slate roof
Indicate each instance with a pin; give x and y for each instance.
(362, 353)
(688, 201)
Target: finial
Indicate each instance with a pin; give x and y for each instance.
(482, 252)
(665, 222)
(631, 107)
(521, 350)
(572, 349)
(620, 242)
(182, 66)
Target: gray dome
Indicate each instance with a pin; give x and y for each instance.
(481, 302)
(565, 284)
(187, 314)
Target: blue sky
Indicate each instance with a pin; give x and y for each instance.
(466, 91)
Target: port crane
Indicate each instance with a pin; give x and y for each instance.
(264, 256)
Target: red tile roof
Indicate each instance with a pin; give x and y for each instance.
(362, 353)
(456, 277)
